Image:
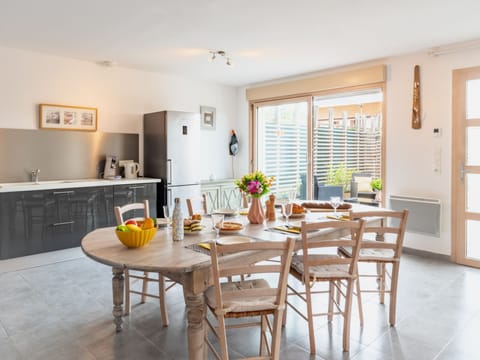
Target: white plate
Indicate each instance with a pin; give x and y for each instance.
(227, 212)
(162, 222)
(229, 240)
(296, 216)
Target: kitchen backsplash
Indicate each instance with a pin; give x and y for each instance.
(61, 154)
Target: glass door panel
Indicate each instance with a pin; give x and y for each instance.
(282, 141)
(473, 193)
(473, 145)
(473, 242)
(473, 99)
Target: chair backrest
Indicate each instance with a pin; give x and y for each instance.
(230, 264)
(360, 182)
(327, 191)
(340, 231)
(120, 210)
(384, 230)
(197, 205)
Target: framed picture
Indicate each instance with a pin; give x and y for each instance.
(207, 117)
(65, 117)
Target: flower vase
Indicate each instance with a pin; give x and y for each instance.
(256, 214)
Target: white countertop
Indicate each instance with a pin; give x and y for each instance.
(69, 184)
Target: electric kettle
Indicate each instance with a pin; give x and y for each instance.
(131, 170)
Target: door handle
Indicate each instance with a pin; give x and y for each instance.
(463, 171)
(169, 173)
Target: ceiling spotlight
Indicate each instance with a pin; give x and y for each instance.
(221, 53)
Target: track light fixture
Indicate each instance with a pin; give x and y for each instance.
(221, 53)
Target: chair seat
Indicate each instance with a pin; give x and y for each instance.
(368, 254)
(242, 303)
(339, 271)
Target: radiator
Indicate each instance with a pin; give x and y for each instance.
(424, 214)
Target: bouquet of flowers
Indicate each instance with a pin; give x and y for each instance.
(255, 184)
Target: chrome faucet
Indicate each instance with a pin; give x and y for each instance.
(35, 176)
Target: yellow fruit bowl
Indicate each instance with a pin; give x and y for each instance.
(134, 239)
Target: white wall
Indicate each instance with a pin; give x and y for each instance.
(409, 152)
(121, 95)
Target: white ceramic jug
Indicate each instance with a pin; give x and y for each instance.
(131, 170)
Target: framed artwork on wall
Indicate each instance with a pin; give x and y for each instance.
(207, 117)
(65, 117)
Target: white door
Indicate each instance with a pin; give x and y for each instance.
(466, 167)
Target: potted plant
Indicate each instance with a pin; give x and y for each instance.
(340, 175)
(376, 185)
(255, 185)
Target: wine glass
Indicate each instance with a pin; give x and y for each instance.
(292, 195)
(287, 212)
(217, 222)
(335, 202)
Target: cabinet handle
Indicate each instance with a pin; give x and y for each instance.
(63, 192)
(64, 223)
(136, 187)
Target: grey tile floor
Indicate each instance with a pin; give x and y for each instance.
(60, 308)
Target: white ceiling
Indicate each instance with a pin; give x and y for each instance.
(267, 39)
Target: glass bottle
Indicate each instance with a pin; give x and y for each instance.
(177, 221)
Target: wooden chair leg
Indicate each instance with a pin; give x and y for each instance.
(263, 333)
(311, 332)
(127, 293)
(346, 316)
(359, 301)
(162, 299)
(393, 293)
(382, 284)
(144, 287)
(277, 331)
(222, 337)
(331, 294)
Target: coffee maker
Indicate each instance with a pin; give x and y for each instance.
(110, 167)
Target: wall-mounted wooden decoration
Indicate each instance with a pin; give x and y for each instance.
(416, 108)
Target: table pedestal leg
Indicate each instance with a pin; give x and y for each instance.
(118, 282)
(196, 324)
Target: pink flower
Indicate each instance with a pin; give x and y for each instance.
(254, 186)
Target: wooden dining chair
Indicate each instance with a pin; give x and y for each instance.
(197, 205)
(319, 262)
(256, 297)
(381, 244)
(146, 277)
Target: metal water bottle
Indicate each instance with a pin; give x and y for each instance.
(177, 221)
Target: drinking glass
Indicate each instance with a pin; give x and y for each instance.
(335, 202)
(217, 222)
(287, 212)
(167, 213)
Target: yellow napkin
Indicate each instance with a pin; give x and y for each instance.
(338, 217)
(204, 245)
(243, 212)
(290, 229)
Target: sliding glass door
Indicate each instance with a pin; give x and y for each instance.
(316, 141)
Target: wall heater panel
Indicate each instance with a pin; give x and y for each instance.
(424, 213)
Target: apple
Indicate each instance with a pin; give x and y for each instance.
(122, 228)
(131, 222)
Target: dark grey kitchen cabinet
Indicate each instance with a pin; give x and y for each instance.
(126, 194)
(46, 220)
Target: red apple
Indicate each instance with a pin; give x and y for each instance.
(131, 221)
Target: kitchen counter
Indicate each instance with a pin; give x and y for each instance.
(69, 184)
